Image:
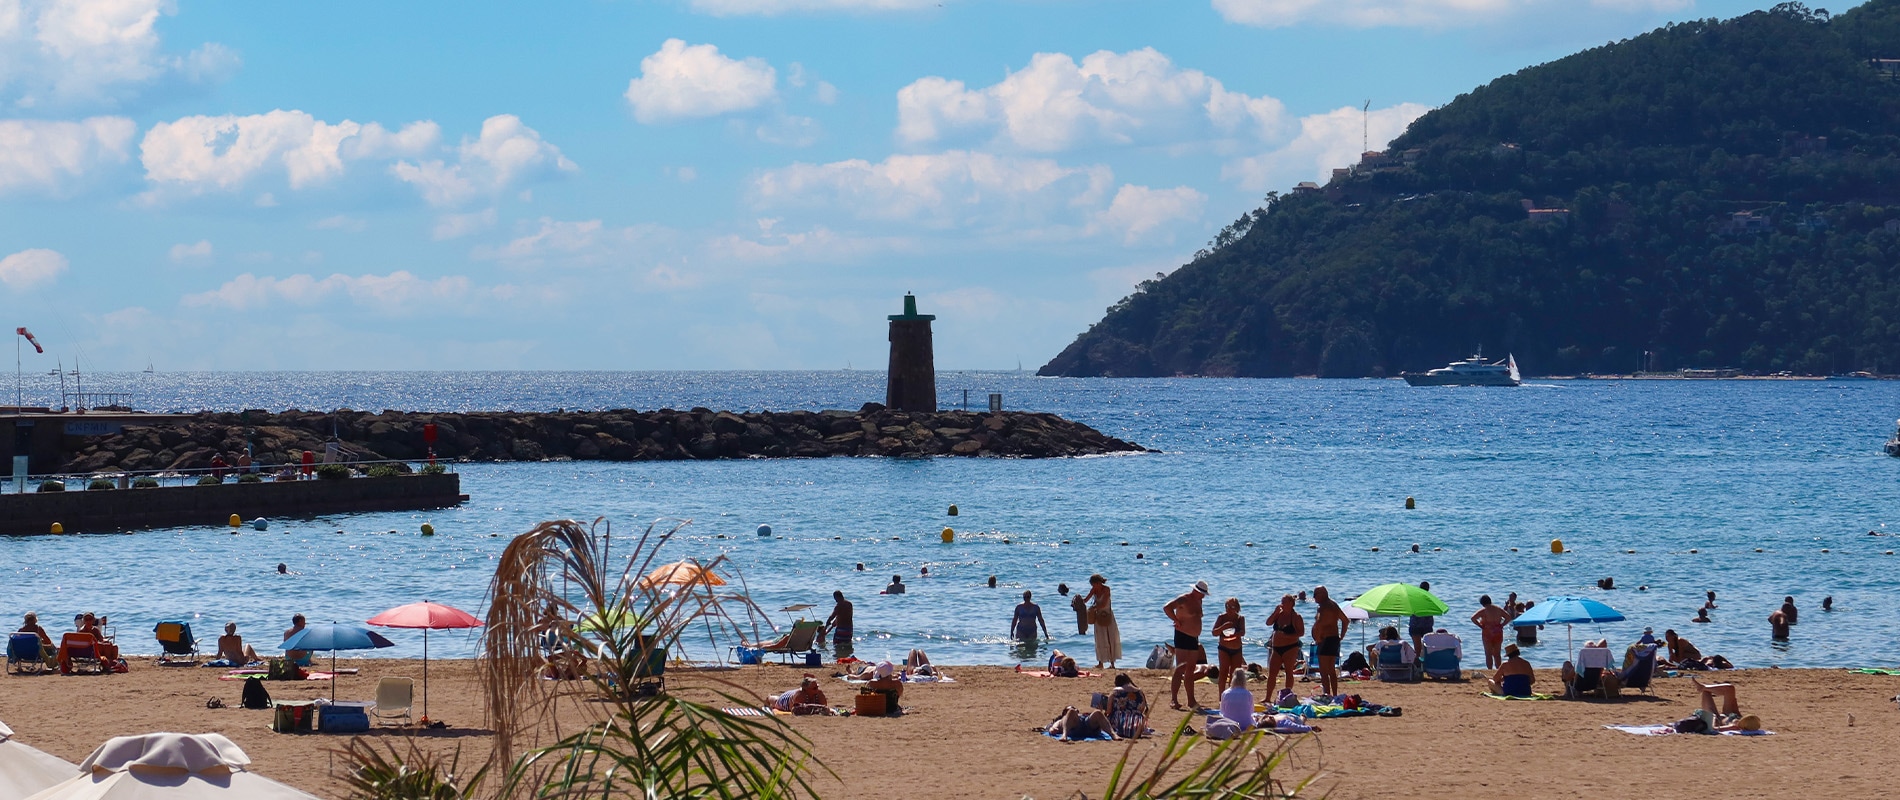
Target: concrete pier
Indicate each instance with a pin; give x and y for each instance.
(912, 380)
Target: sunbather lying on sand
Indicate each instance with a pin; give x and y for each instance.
(806, 700)
(1075, 725)
(1711, 718)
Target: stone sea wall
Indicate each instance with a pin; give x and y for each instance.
(618, 435)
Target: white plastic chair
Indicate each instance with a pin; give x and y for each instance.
(395, 697)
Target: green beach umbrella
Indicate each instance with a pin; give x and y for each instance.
(1400, 600)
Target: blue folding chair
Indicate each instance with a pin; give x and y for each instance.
(175, 641)
(25, 654)
(1392, 666)
(1443, 663)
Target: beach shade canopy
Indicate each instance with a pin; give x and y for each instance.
(1567, 611)
(334, 636)
(1400, 600)
(168, 766)
(426, 616)
(681, 573)
(24, 770)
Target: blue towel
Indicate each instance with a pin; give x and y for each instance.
(1100, 737)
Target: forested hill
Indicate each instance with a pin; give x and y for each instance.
(1717, 193)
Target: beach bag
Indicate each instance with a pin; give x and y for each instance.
(1611, 685)
(281, 669)
(255, 696)
(1161, 658)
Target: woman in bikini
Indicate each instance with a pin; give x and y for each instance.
(1228, 628)
(1288, 627)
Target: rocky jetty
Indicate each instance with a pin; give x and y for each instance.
(618, 435)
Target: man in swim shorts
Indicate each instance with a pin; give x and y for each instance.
(840, 624)
(1186, 613)
(1329, 628)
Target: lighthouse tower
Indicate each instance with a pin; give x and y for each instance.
(912, 380)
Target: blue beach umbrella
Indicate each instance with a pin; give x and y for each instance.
(335, 636)
(1568, 611)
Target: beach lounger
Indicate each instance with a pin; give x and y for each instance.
(24, 654)
(79, 652)
(395, 698)
(803, 635)
(1443, 663)
(175, 642)
(1393, 668)
(1640, 672)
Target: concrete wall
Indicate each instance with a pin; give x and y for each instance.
(124, 509)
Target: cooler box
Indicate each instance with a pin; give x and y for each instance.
(344, 718)
(293, 717)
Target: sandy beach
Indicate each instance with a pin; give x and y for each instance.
(974, 738)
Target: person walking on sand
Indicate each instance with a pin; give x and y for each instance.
(1186, 613)
(1287, 627)
(1490, 621)
(1023, 622)
(1108, 635)
(1329, 629)
(1228, 628)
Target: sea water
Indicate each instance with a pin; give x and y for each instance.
(1259, 487)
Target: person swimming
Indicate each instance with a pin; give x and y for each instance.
(1827, 603)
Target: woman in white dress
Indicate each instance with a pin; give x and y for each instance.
(1108, 637)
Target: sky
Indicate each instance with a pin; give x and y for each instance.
(679, 184)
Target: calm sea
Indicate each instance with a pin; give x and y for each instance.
(1261, 487)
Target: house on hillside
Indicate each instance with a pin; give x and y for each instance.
(1306, 187)
(1544, 214)
(1746, 222)
(1889, 67)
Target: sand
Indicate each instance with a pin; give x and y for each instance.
(974, 739)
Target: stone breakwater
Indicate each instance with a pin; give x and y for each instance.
(618, 435)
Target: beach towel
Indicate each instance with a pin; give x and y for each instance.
(909, 679)
(1104, 736)
(1514, 697)
(1670, 730)
(1046, 674)
(1874, 671)
(241, 674)
(750, 712)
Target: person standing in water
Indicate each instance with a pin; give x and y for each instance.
(1778, 625)
(1186, 613)
(1329, 629)
(1108, 635)
(1023, 621)
(840, 624)
(1788, 610)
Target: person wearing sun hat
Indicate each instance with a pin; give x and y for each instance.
(1187, 614)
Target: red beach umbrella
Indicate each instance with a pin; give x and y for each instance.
(425, 616)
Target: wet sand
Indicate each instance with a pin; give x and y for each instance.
(974, 738)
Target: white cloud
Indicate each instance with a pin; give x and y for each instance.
(1406, 13)
(957, 187)
(791, 131)
(506, 153)
(181, 253)
(1137, 97)
(773, 245)
(1325, 141)
(29, 269)
(726, 8)
(202, 153)
(80, 51)
(340, 222)
(398, 291)
(455, 226)
(582, 243)
(683, 81)
(47, 155)
(1138, 211)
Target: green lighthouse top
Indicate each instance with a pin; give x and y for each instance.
(910, 310)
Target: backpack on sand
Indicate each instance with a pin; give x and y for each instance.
(255, 696)
(1161, 658)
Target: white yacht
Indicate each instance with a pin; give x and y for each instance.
(1472, 371)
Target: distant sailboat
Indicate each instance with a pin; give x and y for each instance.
(149, 370)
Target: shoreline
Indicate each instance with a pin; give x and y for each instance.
(974, 739)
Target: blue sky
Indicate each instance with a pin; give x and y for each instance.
(678, 184)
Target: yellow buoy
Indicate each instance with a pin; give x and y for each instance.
(428, 529)
(953, 509)
(949, 535)
(236, 521)
(1410, 504)
(1557, 546)
(58, 528)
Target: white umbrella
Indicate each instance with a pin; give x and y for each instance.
(24, 770)
(168, 766)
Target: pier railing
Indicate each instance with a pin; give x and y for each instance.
(122, 479)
